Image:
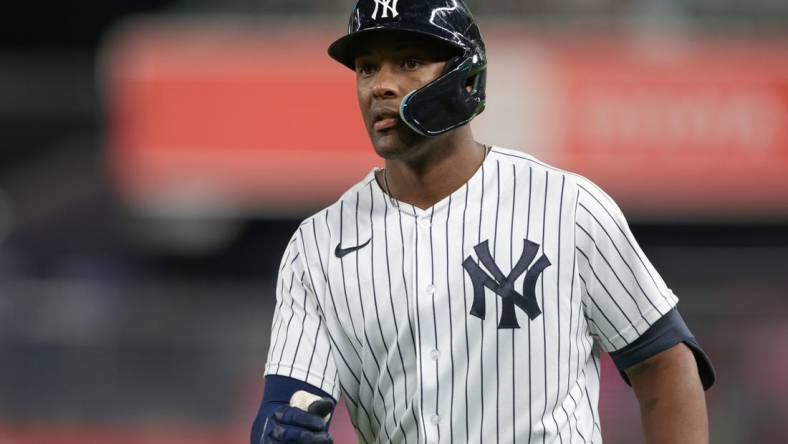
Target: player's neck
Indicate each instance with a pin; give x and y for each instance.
(441, 170)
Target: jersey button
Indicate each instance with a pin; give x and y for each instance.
(435, 354)
(424, 223)
(436, 419)
(430, 289)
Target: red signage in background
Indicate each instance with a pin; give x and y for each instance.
(695, 131)
(221, 120)
(224, 120)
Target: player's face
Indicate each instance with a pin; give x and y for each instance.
(388, 68)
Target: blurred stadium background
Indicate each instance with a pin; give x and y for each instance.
(155, 155)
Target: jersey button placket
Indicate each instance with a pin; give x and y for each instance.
(430, 291)
(428, 357)
(429, 361)
(435, 421)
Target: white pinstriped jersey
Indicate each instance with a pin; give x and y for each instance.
(395, 324)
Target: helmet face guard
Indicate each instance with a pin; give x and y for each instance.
(448, 102)
(458, 95)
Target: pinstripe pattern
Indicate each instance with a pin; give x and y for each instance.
(388, 328)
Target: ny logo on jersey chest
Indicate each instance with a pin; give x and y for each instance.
(386, 6)
(503, 286)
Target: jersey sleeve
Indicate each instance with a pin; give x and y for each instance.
(300, 346)
(623, 294)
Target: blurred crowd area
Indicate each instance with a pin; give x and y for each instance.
(561, 9)
(122, 323)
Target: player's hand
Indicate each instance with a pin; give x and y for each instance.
(305, 425)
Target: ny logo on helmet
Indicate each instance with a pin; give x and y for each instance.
(503, 285)
(387, 6)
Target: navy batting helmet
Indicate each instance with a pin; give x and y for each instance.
(454, 98)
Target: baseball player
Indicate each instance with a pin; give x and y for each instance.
(463, 293)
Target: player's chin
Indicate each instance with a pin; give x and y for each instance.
(389, 144)
(395, 144)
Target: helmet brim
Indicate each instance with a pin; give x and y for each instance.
(345, 49)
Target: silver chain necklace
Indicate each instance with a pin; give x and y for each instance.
(394, 201)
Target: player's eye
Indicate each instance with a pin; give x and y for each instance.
(411, 64)
(365, 69)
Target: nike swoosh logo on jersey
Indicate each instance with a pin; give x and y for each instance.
(342, 252)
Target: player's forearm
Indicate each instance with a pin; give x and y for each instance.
(672, 402)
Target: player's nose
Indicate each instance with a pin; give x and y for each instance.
(385, 85)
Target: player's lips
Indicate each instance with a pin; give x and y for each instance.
(384, 119)
(386, 123)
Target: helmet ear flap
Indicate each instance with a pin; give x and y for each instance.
(446, 103)
(479, 84)
(453, 63)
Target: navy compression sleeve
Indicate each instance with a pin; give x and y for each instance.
(668, 331)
